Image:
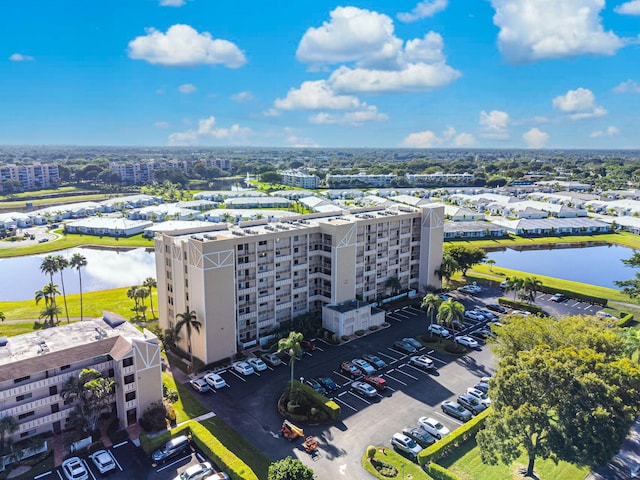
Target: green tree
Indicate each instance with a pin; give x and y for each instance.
(141, 293)
(393, 284)
(91, 393)
(491, 262)
(449, 311)
(431, 303)
(61, 264)
(447, 268)
(271, 177)
(48, 294)
(530, 287)
(289, 469)
(513, 284)
(150, 283)
(465, 256)
(291, 346)
(631, 287)
(189, 322)
(8, 426)
(49, 266)
(78, 261)
(3, 317)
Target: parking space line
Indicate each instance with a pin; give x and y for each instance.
(86, 466)
(409, 307)
(393, 318)
(169, 465)
(318, 348)
(401, 315)
(200, 457)
(392, 389)
(116, 460)
(59, 474)
(121, 444)
(454, 420)
(394, 378)
(340, 375)
(359, 397)
(345, 404)
(42, 475)
(575, 304)
(421, 370)
(435, 359)
(388, 356)
(404, 373)
(404, 355)
(234, 373)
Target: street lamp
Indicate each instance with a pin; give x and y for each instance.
(403, 470)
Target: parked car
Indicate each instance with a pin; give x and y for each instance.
(518, 313)
(374, 360)
(422, 361)
(401, 442)
(487, 314)
(404, 347)
(376, 382)
(473, 315)
(214, 380)
(219, 476)
(496, 308)
(75, 469)
(471, 288)
(196, 472)
(483, 332)
(471, 403)
(271, 359)
(199, 385)
(308, 345)
(316, 385)
(438, 330)
(603, 314)
(467, 341)
(481, 396)
(348, 368)
(173, 447)
(257, 364)
(420, 436)
(482, 386)
(103, 461)
(433, 426)
(413, 341)
(444, 297)
(456, 410)
(364, 389)
(363, 365)
(558, 297)
(328, 383)
(243, 368)
(458, 326)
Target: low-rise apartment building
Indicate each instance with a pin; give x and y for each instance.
(296, 178)
(244, 281)
(34, 368)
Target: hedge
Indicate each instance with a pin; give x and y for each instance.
(438, 472)
(330, 407)
(625, 320)
(210, 446)
(448, 444)
(520, 305)
(572, 294)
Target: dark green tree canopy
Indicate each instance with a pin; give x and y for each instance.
(289, 469)
(465, 256)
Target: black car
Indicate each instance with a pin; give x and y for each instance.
(497, 308)
(327, 383)
(420, 436)
(316, 385)
(404, 347)
(173, 447)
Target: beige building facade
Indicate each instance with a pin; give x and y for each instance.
(243, 281)
(34, 368)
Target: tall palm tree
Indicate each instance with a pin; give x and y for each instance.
(50, 311)
(141, 293)
(188, 321)
(49, 266)
(530, 287)
(449, 311)
(48, 293)
(291, 346)
(513, 284)
(150, 283)
(448, 267)
(78, 261)
(61, 264)
(431, 302)
(131, 293)
(491, 262)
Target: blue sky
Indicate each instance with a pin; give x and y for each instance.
(436, 73)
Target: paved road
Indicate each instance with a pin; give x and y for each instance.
(625, 464)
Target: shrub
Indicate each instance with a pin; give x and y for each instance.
(170, 394)
(440, 473)
(625, 320)
(373, 328)
(520, 305)
(371, 452)
(359, 333)
(344, 338)
(154, 418)
(453, 347)
(118, 436)
(329, 407)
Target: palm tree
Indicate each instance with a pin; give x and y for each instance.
(530, 287)
(448, 267)
(431, 302)
(49, 266)
(150, 283)
(142, 293)
(47, 293)
(78, 261)
(449, 311)
(188, 321)
(491, 262)
(61, 264)
(513, 284)
(8, 425)
(291, 345)
(131, 293)
(3, 317)
(394, 284)
(50, 311)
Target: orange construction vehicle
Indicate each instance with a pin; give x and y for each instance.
(310, 444)
(290, 431)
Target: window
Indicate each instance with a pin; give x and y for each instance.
(53, 390)
(111, 373)
(127, 362)
(22, 379)
(25, 396)
(28, 433)
(55, 408)
(130, 396)
(240, 247)
(129, 379)
(26, 414)
(262, 242)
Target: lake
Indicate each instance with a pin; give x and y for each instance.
(598, 265)
(20, 277)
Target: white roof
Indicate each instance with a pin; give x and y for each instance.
(109, 222)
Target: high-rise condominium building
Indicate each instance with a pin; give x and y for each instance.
(30, 176)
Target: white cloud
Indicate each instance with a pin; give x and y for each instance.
(424, 9)
(207, 130)
(242, 97)
(532, 30)
(272, 112)
(183, 46)
(627, 87)
(464, 140)
(579, 104)
(358, 117)
(611, 131)
(535, 138)
(162, 124)
(172, 3)
(426, 139)
(299, 142)
(19, 57)
(494, 124)
(629, 8)
(426, 49)
(187, 88)
(316, 95)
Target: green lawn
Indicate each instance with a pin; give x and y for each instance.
(466, 463)
(391, 457)
(21, 204)
(30, 194)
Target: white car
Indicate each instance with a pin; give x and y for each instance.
(215, 381)
(408, 445)
(103, 460)
(272, 359)
(196, 472)
(364, 389)
(257, 364)
(481, 396)
(75, 469)
(363, 365)
(466, 341)
(199, 385)
(473, 315)
(422, 361)
(433, 426)
(243, 368)
(438, 330)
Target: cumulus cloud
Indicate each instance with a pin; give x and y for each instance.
(358, 117)
(610, 131)
(316, 95)
(207, 130)
(627, 87)
(172, 3)
(162, 124)
(578, 104)
(424, 9)
(242, 97)
(629, 8)
(183, 46)
(20, 57)
(464, 140)
(187, 88)
(535, 138)
(430, 139)
(532, 30)
(299, 142)
(494, 124)
(426, 49)
(272, 112)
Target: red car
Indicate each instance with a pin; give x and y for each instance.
(456, 325)
(380, 384)
(350, 369)
(308, 345)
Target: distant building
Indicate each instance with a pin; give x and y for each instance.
(135, 173)
(439, 179)
(107, 226)
(31, 176)
(360, 180)
(298, 179)
(221, 163)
